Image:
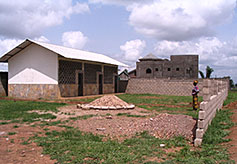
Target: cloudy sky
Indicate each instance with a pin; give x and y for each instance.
(128, 29)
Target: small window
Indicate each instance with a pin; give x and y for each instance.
(177, 69)
(148, 70)
(169, 69)
(157, 69)
(188, 71)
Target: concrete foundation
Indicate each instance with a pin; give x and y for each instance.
(33, 91)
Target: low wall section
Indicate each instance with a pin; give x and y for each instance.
(162, 86)
(214, 94)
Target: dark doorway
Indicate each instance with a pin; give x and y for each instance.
(80, 84)
(115, 84)
(100, 84)
(4, 82)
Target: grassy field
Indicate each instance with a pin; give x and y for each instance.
(74, 146)
(18, 111)
(162, 103)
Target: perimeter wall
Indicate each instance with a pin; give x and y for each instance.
(178, 87)
(214, 94)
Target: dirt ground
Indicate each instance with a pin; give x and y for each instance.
(114, 124)
(12, 149)
(233, 134)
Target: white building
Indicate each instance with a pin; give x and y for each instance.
(42, 70)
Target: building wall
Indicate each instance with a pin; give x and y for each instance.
(68, 77)
(33, 91)
(38, 73)
(180, 66)
(162, 86)
(33, 73)
(33, 65)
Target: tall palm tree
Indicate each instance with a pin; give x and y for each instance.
(209, 71)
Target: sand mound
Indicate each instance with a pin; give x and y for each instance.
(107, 102)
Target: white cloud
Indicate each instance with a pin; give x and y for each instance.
(30, 18)
(119, 2)
(182, 19)
(220, 55)
(5, 46)
(74, 39)
(176, 20)
(133, 49)
(42, 39)
(8, 44)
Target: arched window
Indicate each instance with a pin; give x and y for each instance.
(148, 70)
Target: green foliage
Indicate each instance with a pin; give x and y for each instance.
(232, 83)
(209, 71)
(19, 110)
(201, 74)
(11, 133)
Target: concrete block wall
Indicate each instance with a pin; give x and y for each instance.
(214, 94)
(162, 86)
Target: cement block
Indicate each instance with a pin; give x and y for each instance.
(201, 124)
(206, 83)
(112, 108)
(197, 142)
(206, 97)
(202, 115)
(199, 133)
(203, 105)
(104, 107)
(206, 91)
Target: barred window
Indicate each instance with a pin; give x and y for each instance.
(67, 71)
(90, 73)
(108, 74)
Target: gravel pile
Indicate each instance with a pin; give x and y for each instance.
(161, 126)
(107, 102)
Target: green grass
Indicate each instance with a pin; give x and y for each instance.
(74, 146)
(15, 126)
(11, 133)
(165, 103)
(18, 110)
(84, 117)
(232, 96)
(129, 115)
(84, 100)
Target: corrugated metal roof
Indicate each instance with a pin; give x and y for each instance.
(65, 52)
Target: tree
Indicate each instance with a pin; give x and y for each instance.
(232, 83)
(209, 71)
(201, 74)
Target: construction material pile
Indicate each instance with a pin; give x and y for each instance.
(108, 102)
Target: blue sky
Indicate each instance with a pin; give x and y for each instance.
(128, 29)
